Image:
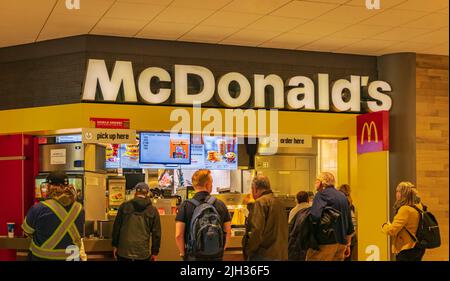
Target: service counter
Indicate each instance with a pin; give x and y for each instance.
(101, 249)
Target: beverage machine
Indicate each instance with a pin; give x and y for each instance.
(85, 166)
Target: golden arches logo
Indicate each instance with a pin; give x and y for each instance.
(369, 127)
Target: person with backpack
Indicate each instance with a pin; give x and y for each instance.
(137, 222)
(203, 223)
(332, 220)
(267, 232)
(413, 228)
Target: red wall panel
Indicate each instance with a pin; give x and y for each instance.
(11, 145)
(17, 172)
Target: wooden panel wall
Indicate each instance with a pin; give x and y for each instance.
(432, 142)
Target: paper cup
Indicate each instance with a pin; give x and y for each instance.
(10, 226)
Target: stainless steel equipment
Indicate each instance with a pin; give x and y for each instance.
(290, 170)
(105, 228)
(85, 165)
(289, 203)
(231, 199)
(68, 157)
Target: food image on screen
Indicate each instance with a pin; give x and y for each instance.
(129, 156)
(220, 152)
(164, 148)
(112, 153)
(230, 157)
(132, 151)
(112, 156)
(179, 148)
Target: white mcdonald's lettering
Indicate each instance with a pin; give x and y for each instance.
(296, 93)
(369, 132)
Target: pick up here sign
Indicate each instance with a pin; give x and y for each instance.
(112, 136)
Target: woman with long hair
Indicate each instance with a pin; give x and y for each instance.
(345, 188)
(406, 221)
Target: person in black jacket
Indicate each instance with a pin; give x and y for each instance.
(301, 229)
(136, 223)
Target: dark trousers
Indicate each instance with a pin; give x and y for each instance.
(414, 254)
(119, 258)
(259, 258)
(191, 258)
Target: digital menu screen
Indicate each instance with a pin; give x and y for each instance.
(215, 153)
(220, 153)
(164, 148)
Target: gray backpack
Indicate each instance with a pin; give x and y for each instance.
(206, 236)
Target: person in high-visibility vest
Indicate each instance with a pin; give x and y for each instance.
(56, 224)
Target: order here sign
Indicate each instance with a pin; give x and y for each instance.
(111, 136)
(372, 131)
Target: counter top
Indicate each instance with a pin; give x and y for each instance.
(23, 243)
(90, 244)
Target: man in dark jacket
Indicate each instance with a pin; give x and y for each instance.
(136, 223)
(268, 224)
(299, 228)
(334, 244)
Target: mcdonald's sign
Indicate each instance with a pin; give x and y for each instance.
(373, 132)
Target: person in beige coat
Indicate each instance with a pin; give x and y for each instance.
(406, 220)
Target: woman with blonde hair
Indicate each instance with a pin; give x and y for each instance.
(345, 188)
(405, 224)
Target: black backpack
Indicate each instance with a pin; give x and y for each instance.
(301, 236)
(427, 235)
(206, 236)
(325, 228)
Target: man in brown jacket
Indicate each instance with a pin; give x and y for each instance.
(267, 234)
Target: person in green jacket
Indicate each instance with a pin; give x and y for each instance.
(136, 223)
(267, 232)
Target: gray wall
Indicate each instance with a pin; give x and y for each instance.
(52, 72)
(401, 69)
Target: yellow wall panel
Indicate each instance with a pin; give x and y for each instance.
(373, 204)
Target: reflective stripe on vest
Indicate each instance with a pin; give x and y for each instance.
(66, 225)
(59, 254)
(28, 229)
(47, 249)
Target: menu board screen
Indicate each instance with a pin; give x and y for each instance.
(215, 153)
(220, 153)
(165, 148)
